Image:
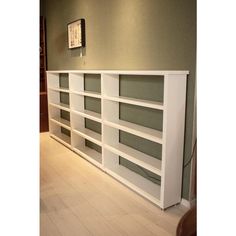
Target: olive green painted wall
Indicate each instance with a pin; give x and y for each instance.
(128, 34)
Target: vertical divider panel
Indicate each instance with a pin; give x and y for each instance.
(110, 111)
(54, 97)
(111, 137)
(54, 112)
(77, 102)
(70, 75)
(50, 113)
(111, 160)
(78, 122)
(110, 88)
(110, 84)
(76, 82)
(52, 80)
(54, 128)
(77, 141)
(173, 138)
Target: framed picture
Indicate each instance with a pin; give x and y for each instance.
(76, 34)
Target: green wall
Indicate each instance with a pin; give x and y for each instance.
(128, 34)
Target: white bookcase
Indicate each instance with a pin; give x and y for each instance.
(73, 133)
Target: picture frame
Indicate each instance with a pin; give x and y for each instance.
(76, 33)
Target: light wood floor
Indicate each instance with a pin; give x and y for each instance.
(76, 198)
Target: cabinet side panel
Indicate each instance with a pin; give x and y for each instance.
(52, 80)
(173, 136)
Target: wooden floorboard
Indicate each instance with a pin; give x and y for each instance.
(77, 198)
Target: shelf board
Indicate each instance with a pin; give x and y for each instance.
(148, 162)
(90, 135)
(60, 89)
(62, 122)
(90, 115)
(88, 94)
(144, 132)
(125, 72)
(136, 182)
(90, 154)
(137, 102)
(62, 138)
(61, 106)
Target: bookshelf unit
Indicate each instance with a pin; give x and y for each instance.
(69, 117)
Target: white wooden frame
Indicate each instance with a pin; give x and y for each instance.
(171, 138)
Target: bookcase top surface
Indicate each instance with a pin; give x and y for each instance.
(125, 72)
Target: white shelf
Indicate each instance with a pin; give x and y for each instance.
(144, 132)
(88, 94)
(59, 89)
(137, 102)
(136, 182)
(62, 122)
(60, 105)
(89, 154)
(64, 139)
(89, 114)
(90, 135)
(148, 162)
